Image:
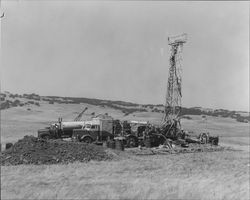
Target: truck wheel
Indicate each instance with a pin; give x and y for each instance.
(87, 140)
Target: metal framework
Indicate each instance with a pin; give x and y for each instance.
(174, 93)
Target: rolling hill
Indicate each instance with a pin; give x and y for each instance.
(9, 100)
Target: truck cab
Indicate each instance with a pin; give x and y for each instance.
(97, 130)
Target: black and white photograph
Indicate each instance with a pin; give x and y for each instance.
(124, 100)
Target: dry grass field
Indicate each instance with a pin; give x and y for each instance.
(211, 175)
(217, 175)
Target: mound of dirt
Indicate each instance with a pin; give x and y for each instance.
(32, 150)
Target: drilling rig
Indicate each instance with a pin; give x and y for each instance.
(171, 122)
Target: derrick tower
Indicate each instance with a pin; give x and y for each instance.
(174, 93)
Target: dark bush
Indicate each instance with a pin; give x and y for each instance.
(5, 105)
(186, 117)
(16, 103)
(31, 102)
(3, 95)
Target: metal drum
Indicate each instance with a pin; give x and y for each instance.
(111, 144)
(8, 145)
(105, 144)
(148, 142)
(119, 145)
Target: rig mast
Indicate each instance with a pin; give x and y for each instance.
(174, 93)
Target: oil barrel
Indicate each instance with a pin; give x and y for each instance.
(148, 142)
(111, 144)
(119, 145)
(8, 145)
(105, 144)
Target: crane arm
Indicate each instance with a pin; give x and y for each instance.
(80, 115)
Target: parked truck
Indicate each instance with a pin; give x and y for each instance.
(60, 129)
(99, 129)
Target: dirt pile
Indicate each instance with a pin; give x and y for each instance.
(31, 150)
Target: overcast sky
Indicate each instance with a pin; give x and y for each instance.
(119, 51)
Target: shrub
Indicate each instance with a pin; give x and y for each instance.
(186, 117)
(3, 95)
(16, 103)
(5, 105)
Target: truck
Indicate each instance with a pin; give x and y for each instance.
(60, 129)
(100, 128)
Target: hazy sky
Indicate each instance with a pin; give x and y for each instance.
(118, 50)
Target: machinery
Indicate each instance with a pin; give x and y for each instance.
(62, 129)
(100, 128)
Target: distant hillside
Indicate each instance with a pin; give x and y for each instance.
(9, 100)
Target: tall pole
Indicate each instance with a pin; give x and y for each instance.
(1, 17)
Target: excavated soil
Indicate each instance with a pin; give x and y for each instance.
(32, 150)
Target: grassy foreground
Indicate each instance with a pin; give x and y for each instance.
(214, 175)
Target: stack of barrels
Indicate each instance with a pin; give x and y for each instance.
(119, 145)
(115, 144)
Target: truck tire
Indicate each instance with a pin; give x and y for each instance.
(87, 140)
(214, 140)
